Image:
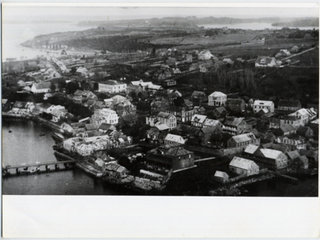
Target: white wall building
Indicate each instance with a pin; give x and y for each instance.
(112, 86)
(267, 106)
(104, 115)
(217, 99)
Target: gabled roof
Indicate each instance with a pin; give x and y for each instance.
(263, 103)
(289, 103)
(217, 94)
(112, 82)
(293, 154)
(265, 60)
(198, 118)
(242, 163)
(244, 137)
(221, 174)
(164, 115)
(174, 138)
(211, 122)
(287, 128)
(162, 127)
(251, 149)
(270, 153)
(198, 94)
(42, 85)
(233, 121)
(220, 109)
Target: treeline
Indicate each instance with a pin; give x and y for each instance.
(114, 44)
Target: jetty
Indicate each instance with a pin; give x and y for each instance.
(37, 167)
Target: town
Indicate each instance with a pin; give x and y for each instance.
(178, 116)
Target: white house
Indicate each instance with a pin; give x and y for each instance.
(242, 166)
(205, 55)
(42, 87)
(112, 86)
(104, 115)
(259, 105)
(304, 115)
(217, 99)
(267, 62)
(173, 138)
(198, 120)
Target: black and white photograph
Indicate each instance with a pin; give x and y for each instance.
(162, 101)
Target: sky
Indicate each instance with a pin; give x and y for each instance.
(90, 12)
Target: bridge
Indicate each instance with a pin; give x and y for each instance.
(37, 167)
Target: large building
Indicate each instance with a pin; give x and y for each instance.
(242, 166)
(172, 156)
(217, 99)
(104, 115)
(266, 106)
(235, 126)
(112, 86)
(269, 158)
(242, 140)
(162, 118)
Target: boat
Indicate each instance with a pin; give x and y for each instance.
(10, 131)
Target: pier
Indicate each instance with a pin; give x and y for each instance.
(285, 177)
(37, 167)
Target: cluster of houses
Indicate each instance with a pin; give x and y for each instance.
(86, 146)
(255, 133)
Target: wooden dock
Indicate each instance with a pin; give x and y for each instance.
(37, 167)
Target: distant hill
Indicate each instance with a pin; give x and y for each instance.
(187, 22)
(308, 22)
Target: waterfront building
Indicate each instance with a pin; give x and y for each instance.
(269, 158)
(172, 156)
(217, 99)
(22, 107)
(242, 166)
(267, 106)
(221, 177)
(112, 86)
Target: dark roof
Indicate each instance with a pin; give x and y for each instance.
(233, 121)
(164, 115)
(277, 146)
(198, 94)
(293, 154)
(287, 128)
(111, 82)
(234, 101)
(289, 103)
(105, 126)
(171, 150)
(220, 110)
(303, 130)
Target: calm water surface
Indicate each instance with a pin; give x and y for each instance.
(29, 143)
